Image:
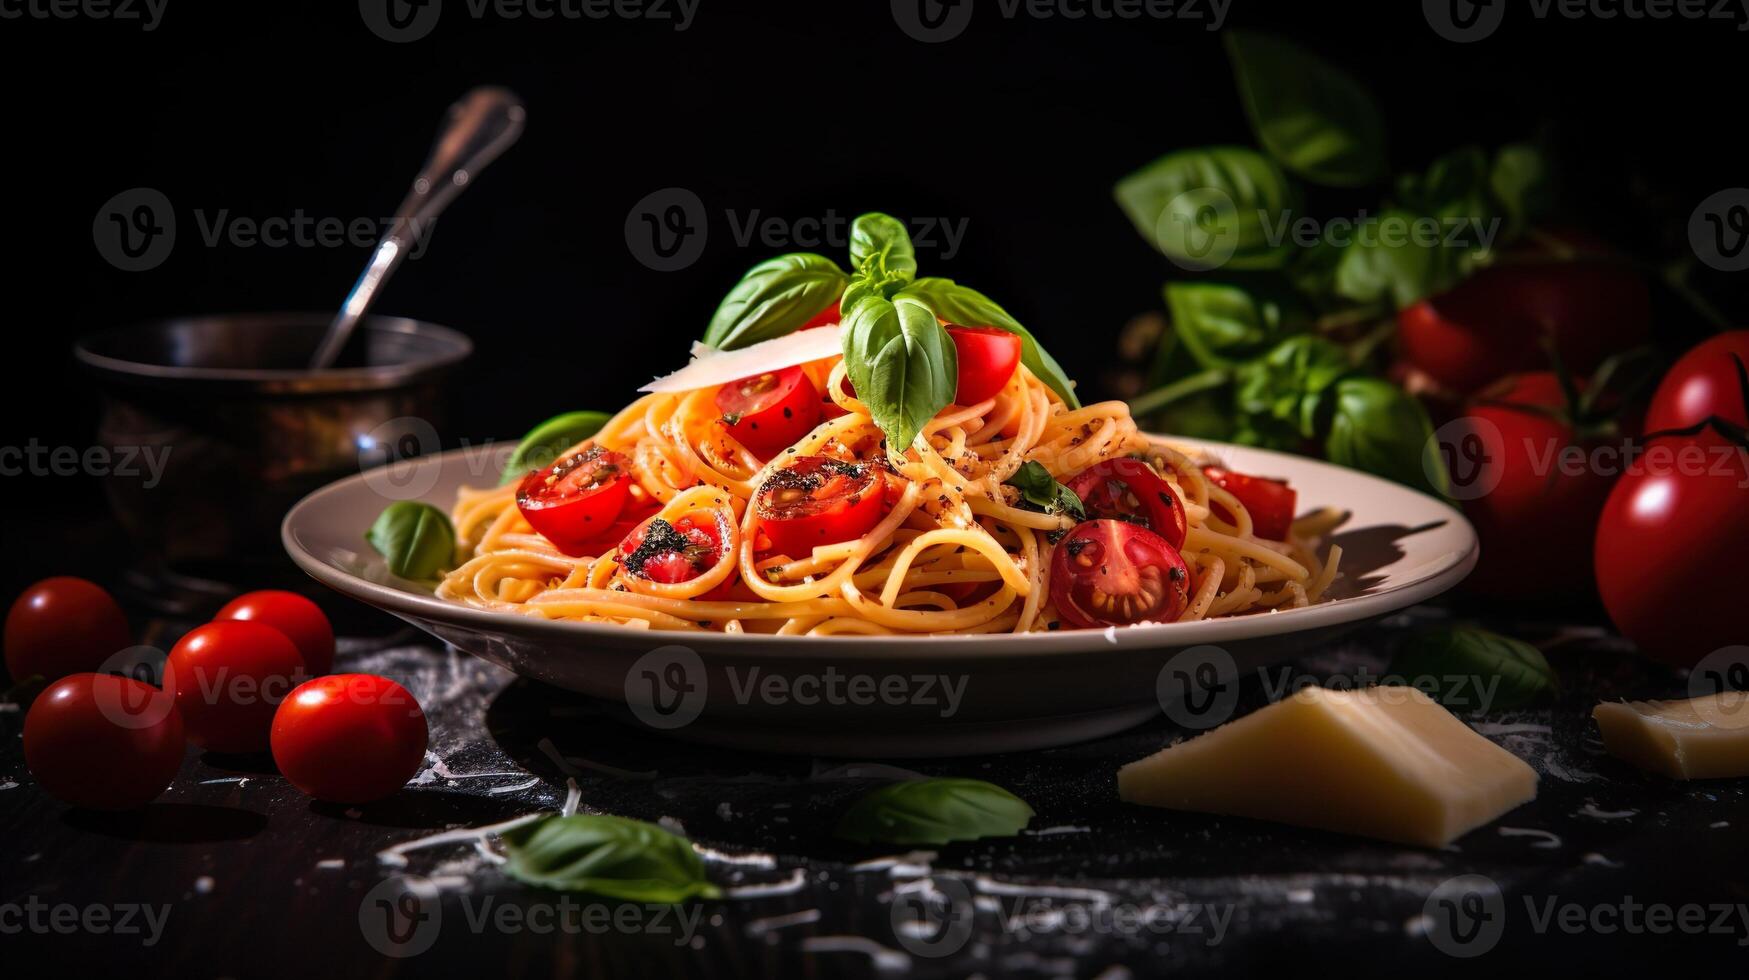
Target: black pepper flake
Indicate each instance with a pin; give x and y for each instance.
(1075, 547)
(1166, 499)
(1176, 574)
(1053, 627)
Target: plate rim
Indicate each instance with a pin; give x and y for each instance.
(1450, 569)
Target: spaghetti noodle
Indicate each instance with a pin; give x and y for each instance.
(955, 549)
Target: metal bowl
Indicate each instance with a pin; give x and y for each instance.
(226, 428)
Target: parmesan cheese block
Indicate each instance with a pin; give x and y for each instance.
(1701, 738)
(1384, 762)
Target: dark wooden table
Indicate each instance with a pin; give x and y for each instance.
(234, 873)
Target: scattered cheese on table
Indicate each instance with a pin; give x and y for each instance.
(1384, 762)
(1701, 738)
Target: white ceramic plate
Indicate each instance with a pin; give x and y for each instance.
(872, 696)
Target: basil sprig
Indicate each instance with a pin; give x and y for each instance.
(934, 811)
(613, 857)
(1465, 667)
(415, 539)
(896, 351)
(546, 441)
(775, 297)
(902, 363)
(1041, 491)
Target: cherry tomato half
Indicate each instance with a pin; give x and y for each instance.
(349, 738)
(1114, 573)
(577, 498)
(228, 678)
(298, 618)
(818, 500)
(1130, 490)
(1701, 384)
(673, 553)
(1271, 502)
(62, 626)
(988, 357)
(102, 741)
(769, 412)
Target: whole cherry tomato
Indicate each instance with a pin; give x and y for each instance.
(228, 677)
(301, 620)
(349, 738)
(987, 357)
(62, 626)
(102, 741)
(1706, 382)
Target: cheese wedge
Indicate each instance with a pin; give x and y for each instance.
(1701, 738)
(1384, 762)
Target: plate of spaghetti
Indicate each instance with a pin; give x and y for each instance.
(865, 482)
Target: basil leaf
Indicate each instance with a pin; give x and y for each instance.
(934, 811)
(1454, 183)
(546, 441)
(608, 856)
(1522, 181)
(1313, 117)
(415, 539)
(1040, 491)
(1401, 259)
(1464, 667)
(1221, 323)
(880, 247)
(967, 307)
(902, 363)
(1378, 428)
(1224, 206)
(1288, 383)
(775, 298)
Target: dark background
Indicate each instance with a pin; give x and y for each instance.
(791, 110)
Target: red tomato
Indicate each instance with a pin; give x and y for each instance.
(1494, 322)
(674, 553)
(349, 738)
(62, 626)
(1271, 502)
(1537, 490)
(987, 357)
(1114, 573)
(769, 412)
(228, 677)
(827, 317)
(102, 741)
(1672, 531)
(1130, 490)
(298, 618)
(1704, 383)
(576, 499)
(818, 500)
